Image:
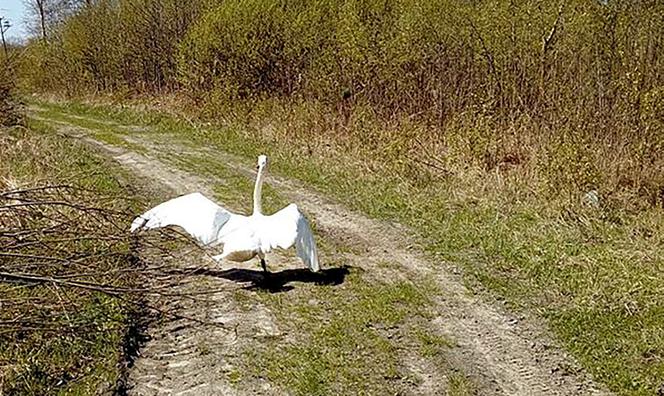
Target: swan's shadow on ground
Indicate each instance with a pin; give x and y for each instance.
(276, 282)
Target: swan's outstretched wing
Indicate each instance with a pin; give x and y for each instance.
(289, 227)
(197, 215)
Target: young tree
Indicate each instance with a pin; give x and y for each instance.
(37, 12)
(45, 15)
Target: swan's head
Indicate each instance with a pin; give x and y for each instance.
(262, 162)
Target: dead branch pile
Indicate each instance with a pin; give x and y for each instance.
(72, 278)
(62, 240)
(54, 237)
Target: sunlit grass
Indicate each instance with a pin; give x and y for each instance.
(593, 272)
(83, 356)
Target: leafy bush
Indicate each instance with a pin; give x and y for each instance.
(10, 112)
(586, 60)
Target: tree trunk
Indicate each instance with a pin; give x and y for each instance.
(42, 18)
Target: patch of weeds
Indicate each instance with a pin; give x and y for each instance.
(234, 376)
(459, 385)
(432, 344)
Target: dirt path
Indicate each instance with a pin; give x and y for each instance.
(502, 353)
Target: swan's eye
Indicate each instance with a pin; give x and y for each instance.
(257, 166)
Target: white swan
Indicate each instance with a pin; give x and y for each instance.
(243, 237)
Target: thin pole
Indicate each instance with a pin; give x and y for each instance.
(2, 33)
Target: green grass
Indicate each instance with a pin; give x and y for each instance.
(593, 273)
(71, 364)
(431, 344)
(47, 156)
(84, 359)
(102, 131)
(460, 386)
(349, 339)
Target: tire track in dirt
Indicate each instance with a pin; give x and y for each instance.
(502, 353)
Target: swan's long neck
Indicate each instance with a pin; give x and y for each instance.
(258, 188)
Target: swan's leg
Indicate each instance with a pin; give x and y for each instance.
(263, 264)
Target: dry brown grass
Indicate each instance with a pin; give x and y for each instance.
(543, 161)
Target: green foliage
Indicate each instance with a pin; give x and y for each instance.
(242, 48)
(112, 46)
(150, 33)
(92, 44)
(10, 112)
(439, 57)
(572, 93)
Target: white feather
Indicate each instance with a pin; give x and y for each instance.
(289, 227)
(197, 215)
(243, 237)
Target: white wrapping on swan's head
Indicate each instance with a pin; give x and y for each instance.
(262, 161)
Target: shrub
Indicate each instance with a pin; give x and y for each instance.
(10, 111)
